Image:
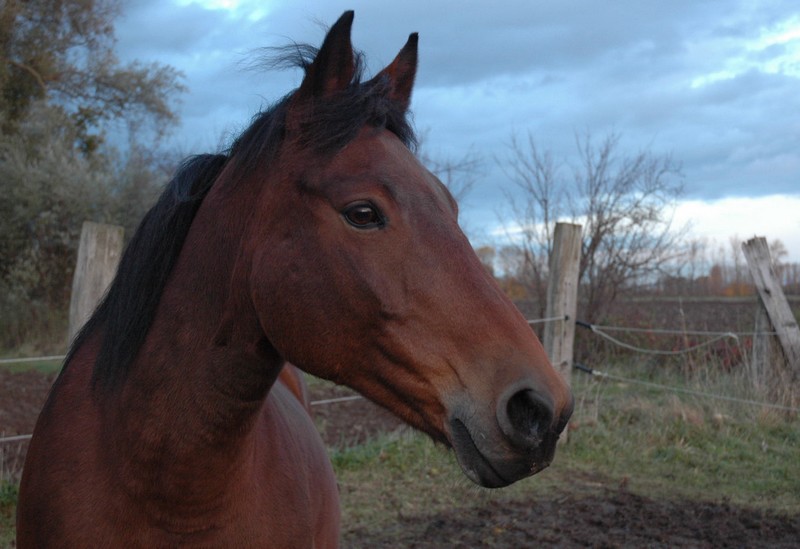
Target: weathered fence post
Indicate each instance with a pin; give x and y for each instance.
(766, 352)
(98, 255)
(778, 312)
(562, 297)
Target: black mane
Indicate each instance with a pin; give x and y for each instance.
(124, 316)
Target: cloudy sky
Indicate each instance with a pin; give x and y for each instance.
(715, 84)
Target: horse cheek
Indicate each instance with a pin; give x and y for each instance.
(284, 290)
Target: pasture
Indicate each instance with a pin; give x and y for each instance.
(642, 466)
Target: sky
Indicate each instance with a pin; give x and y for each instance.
(714, 84)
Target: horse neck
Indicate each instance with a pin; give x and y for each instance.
(192, 396)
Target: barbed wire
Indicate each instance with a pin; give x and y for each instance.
(597, 329)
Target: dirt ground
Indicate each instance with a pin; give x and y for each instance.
(615, 518)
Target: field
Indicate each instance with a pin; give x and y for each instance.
(643, 466)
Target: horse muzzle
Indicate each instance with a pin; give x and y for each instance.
(516, 441)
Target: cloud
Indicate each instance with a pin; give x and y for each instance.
(714, 85)
(772, 216)
(718, 221)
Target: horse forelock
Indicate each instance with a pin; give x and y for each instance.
(325, 125)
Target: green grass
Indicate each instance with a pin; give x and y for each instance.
(8, 503)
(747, 464)
(655, 443)
(683, 451)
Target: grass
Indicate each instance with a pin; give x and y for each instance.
(684, 451)
(655, 443)
(8, 505)
(751, 465)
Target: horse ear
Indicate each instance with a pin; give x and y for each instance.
(334, 66)
(401, 72)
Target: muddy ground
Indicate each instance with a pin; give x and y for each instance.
(614, 518)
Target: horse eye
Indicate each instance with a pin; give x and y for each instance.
(364, 216)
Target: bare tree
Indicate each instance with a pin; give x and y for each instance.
(623, 201)
(458, 174)
(535, 174)
(779, 253)
(696, 264)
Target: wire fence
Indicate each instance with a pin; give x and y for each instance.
(600, 330)
(604, 375)
(25, 360)
(713, 337)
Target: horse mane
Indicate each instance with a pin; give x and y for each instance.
(125, 314)
(129, 306)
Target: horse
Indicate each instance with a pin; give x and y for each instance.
(316, 239)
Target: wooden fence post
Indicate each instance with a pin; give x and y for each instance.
(775, 304)
(99, 253)
(562, 297)
(765, 352)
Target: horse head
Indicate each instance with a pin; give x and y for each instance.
(358, 272)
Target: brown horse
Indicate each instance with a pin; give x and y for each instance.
(318, 239)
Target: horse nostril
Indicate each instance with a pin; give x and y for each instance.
(526, 417)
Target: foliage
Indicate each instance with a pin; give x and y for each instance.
(621, 200)
(62, 51)
(8, 494)
(48, 191)
(62, 91)
(707, 268)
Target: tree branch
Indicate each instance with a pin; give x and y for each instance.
(30, 70)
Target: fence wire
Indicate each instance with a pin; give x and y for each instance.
(600, 330)
(604, 375)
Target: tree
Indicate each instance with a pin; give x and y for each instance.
(535, 174)
(623, 202)
(457, 174)
(61, 51)
(61, 90)
(47, 191)
(778, 253)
